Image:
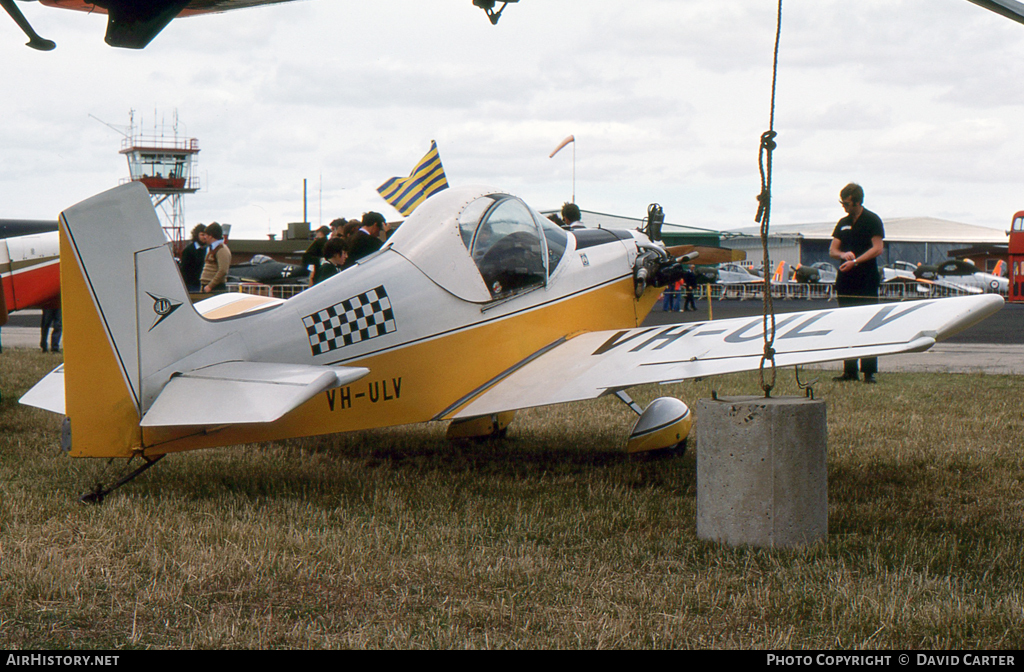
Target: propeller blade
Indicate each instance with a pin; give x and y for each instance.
(707, 255)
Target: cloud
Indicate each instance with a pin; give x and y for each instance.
(667, 99)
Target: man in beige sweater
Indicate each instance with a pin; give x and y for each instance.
(218, 259)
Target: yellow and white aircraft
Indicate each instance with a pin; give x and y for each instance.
(475, 307)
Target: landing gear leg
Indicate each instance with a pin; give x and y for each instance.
(96, 495)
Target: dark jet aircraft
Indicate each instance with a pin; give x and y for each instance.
(265, 270)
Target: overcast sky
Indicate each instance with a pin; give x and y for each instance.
(918, 100)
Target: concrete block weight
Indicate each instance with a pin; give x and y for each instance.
(761, 471)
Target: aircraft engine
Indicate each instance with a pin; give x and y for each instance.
(655, 268)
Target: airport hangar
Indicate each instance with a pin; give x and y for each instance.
(918, 240)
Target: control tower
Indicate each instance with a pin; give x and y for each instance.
(164, 162)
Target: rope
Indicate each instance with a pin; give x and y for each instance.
(764, 214)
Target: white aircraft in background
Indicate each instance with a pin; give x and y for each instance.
(738, 274)
(476, 307)
(903, 270)
(964, 275)
(732, 274)
(820, 272)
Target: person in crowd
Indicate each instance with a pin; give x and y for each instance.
(315, 252)
(3, 311)
(670, 298)
(857, 242)
(338, 228)
(51, 327)
(218, 260)
(571, 215)
(192, 259)
(367, 239)
(335, 255)
(690, 282)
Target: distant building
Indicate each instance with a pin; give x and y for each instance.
(918, 240)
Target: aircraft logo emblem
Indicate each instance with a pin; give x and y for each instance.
(163, 308)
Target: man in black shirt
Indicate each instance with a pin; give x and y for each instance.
(690, 280)
(192, 259)
(856, 242)
(367, 239)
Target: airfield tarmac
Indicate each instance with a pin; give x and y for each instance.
(995, 345)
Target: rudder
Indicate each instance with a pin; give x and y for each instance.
(119, 282)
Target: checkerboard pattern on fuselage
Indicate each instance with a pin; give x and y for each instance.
(353, 320)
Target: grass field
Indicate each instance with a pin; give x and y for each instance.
(550, 539)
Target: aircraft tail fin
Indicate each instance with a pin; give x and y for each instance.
(780, 272)
(998, 270)
(127, 314)
(141, 365)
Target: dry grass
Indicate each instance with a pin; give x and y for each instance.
(553, 538)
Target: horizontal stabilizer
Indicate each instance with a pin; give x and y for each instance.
(48, 393)
(242, 392)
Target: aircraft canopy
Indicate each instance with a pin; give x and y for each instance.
(480, 244)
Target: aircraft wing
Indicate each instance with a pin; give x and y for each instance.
(1011, 9)
(956, 286)
(242, 392)
(132, 24)
(596, 363)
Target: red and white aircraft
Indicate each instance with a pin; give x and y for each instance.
(134, 23)
(29, 264)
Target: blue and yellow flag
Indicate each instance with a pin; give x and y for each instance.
(425, 180)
